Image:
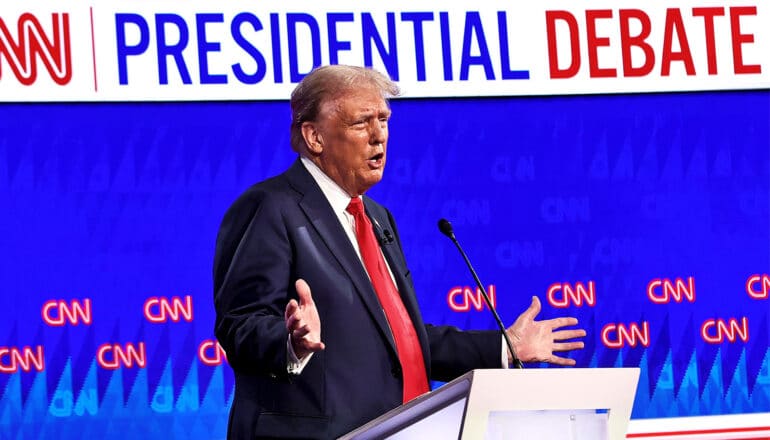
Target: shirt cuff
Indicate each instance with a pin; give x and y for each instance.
(504, 352)
(294, 365)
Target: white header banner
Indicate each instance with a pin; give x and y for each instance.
(244, 50)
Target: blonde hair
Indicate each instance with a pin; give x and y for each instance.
(325, 84)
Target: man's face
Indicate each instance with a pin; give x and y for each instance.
(353, 134)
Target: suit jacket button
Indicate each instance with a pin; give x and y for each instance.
(396, 371)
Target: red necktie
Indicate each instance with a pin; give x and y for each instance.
(407, 344)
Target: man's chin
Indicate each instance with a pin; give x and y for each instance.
(372, 178)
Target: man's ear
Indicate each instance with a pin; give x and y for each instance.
(313, 137)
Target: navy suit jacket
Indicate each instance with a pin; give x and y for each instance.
(283, 229)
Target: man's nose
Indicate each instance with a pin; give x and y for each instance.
(379, 132)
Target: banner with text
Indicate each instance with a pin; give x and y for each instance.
(166, 50)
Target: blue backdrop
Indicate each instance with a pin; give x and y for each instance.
(118, 203)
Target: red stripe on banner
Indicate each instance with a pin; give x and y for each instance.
(704, 431)
(93, 47)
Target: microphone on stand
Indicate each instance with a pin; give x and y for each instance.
(446, 228)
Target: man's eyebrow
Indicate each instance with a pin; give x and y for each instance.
(367, 113)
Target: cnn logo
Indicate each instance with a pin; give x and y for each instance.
(13, 359)
(210, 353)
(462, 299)
(34, 46)
(562, 295)
(664, 290)
(162, 309)
(57, 313)
(619, 335)
(758, 286)
(113, 356)
(716, 331)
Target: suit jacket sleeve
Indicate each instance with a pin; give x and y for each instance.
(252, 284)
(455, 352)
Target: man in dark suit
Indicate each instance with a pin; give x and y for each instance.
(315, 304)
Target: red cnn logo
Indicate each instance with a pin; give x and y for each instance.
(662, 290)
(161, 309)
(468, 297)
(575, 295)
(57, 312)
(758, 286)
(113, 356)
(714, 331)
(620, 335)
(11, 359)
(211, 353)
(33, 44)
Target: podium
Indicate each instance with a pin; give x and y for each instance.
(569, 403)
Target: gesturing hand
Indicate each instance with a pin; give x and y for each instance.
(536, 341)
(303, 323)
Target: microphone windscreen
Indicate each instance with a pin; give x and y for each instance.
(445, 227)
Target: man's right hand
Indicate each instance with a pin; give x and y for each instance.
(303, 323)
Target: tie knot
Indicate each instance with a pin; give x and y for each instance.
(355, 207)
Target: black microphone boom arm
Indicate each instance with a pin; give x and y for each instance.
(446, 228)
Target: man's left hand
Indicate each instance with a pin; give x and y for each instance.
(536, 341)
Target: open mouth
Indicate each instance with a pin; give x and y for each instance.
(376, 160)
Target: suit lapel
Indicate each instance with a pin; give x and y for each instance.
(321, 216)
